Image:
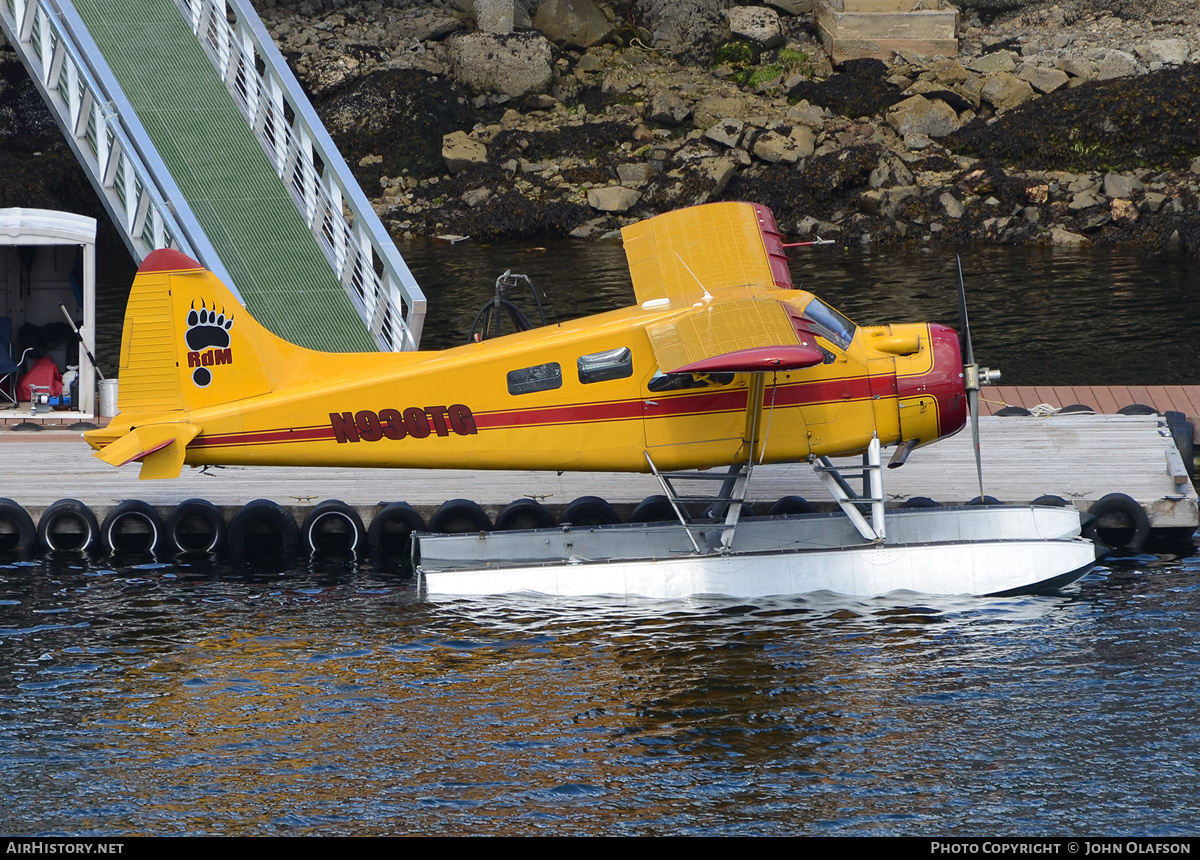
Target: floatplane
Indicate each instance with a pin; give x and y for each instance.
(721, 366)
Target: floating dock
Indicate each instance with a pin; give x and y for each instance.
(1081, 458)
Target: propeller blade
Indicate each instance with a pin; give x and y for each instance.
(973, 409)
(964, 325)
(971, 379)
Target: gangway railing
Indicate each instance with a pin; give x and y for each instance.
(137, 188)
(358, 248)
(133, 183)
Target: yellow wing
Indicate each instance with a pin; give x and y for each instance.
(690, 253)
(733, 335)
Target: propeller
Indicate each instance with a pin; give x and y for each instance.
(973, 375)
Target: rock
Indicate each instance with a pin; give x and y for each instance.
(715, 108)
(1085, 200)
(1121, 185)
(727, 132)
(477, 196)
(807, 115)
(572, 23)
(612, 198)
(514, 65)
(1116, 64)
(805, 139)
(915, 142)
(948, 72)
(1153, 200)
(1059, 236)
(952, 205)
(718, 171)
(756, 24)
(1042, 79)
(422, 28)
(589, 228)
(495, 16)
(541, 101)
(793, 7)
(685, 27)
(634, 175)
(1004, 91)
(666, 108)
(999, 61)
(461, 152)
(1124, 210)
(1077, 67)
(1169, 52)
(775, 148)
(919, 115)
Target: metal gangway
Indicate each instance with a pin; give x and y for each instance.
(196, 136)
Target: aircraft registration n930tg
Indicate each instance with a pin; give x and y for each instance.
(720, 362)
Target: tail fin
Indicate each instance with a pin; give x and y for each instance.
(187, 344)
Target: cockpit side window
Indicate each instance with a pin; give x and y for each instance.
(540, 377)
(679, 381)
(829, 324)
(603, 366)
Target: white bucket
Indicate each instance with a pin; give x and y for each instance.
(108, 398)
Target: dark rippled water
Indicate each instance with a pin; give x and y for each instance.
(1045, 316)
(332, 698)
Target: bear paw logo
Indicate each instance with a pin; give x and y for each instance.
(207, 340)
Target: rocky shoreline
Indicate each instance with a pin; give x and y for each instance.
(1056, 123)
(1068, 123)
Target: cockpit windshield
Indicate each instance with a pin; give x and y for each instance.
(829, 324)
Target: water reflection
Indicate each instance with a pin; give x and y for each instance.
(1046, 316)
(331, 697)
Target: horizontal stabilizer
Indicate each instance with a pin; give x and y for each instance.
(158, 447)
(761, 358)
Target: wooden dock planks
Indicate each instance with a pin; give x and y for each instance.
(1078, 457)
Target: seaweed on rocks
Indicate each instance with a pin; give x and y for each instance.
(399, 116)
(1149, 121)
(827, 183)
(859, 89)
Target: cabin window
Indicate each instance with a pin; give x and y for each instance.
(603, 366)
(679, 381)
(540, 377)
(829, 324)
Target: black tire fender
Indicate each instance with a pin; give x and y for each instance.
(654, 509)
(333, 526)
(1008, 411)
(790, 505)
(1122, 506)
(920, 502)
(1137, 409)
(460, 516)
(984, 500)
(590, 511)
(391, 529)
(17, 531)
(524, 514)
(1049, 501)
(147, 525)
(262, 526)
(64, 511)
(182, 529)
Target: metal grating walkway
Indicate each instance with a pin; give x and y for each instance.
(224, 174)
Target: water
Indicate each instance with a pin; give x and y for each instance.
(1045, 316)
(329, 698)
